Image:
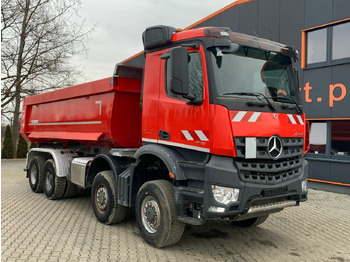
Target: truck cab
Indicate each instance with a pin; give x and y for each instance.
(229, 104)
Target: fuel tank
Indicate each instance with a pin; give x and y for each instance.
(105, 112)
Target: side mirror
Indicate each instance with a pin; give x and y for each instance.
(179, 73)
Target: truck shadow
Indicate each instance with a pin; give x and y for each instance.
(223, 234)
(223, 239)
(220, 237)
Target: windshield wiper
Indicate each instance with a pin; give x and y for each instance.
(290, 99)
(253, 94)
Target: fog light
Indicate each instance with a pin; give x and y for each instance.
(216, 209)
(225, 195)
(304, 185)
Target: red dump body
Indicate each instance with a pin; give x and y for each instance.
(103, 112)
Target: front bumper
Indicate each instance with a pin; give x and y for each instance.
(254, 199)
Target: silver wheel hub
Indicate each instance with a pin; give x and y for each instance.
(102, 198)
(150, 214)
(33, 174)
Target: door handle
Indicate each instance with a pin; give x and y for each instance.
(164, 135)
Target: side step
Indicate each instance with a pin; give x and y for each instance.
(124, 188)
(191, 220)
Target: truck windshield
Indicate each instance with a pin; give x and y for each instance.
(253, 71)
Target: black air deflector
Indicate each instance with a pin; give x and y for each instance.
(156, 36)
(128, 71)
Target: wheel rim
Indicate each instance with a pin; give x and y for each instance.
(101, 198)
(150, 214)
(49, 180)
(33, 174)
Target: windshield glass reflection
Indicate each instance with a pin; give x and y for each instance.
(251, 70)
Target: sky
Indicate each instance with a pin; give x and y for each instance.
(119, 25)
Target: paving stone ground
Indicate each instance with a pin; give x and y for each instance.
(34, 228)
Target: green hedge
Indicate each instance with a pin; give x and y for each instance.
(22, 148)
(8, 149)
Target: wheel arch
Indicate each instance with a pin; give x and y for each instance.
(154, 162)
(61, 157)
(104, 162)
(167, 155)
(35, 153)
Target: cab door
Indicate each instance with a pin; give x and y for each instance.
(180, 122)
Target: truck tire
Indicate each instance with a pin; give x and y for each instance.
(54, 186)
(36, 174)
(104, 199)
(156, 215)
(251, 222)
(71, 190)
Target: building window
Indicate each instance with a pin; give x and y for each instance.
(317, 46)
(340, 138)
(341, 41)
(328, 45)
(318, 137)
(330, 139)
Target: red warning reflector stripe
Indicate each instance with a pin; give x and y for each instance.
(295, 119)
(244, 116)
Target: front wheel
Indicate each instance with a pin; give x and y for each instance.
(156, 215)
(104, 199)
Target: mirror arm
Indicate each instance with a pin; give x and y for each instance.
(189, 97)
(165, 55)
(193, 100)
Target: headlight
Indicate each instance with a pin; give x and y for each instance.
(304, 185)
(225, 195)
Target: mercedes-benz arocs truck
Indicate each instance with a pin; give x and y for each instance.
(210, 127)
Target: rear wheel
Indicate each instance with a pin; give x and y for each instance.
(104, 199)
(36, 174)
(156, 215)
(54, 186)
(71, 190)
(251, 222)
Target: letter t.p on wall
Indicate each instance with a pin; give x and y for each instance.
(307, 89)
(333, 98)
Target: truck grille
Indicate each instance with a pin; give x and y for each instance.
(263, 169)
(269, 172)
(292, 147)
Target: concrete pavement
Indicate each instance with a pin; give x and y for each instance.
(34, 228)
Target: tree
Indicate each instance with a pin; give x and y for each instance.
(8, 149)
(38, 38)
(22, 148)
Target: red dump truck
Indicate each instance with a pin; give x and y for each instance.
(210, 127)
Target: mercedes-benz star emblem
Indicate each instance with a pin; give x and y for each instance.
(274, 147)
